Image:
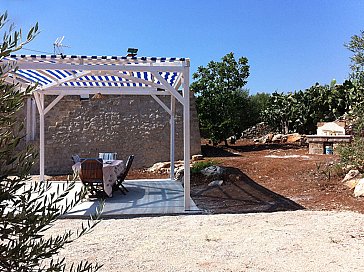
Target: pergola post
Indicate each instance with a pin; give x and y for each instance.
(172, 135)
(39, 99)
(29, 120)
(186, 137)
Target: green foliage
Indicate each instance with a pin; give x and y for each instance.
(199, 165)
(353, 154)
(257, 105)
(222, 103)
(27, 209)
(300, 111)
(356, 46)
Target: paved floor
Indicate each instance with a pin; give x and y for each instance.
(145, 197)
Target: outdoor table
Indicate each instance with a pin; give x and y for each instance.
(110, 171)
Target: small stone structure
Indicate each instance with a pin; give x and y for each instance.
(123, 124)
(329, 135)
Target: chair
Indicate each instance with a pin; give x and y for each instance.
(108, 156)
(91, 174)
(121, 178)
(75, 158)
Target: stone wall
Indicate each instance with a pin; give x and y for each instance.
(124, 124)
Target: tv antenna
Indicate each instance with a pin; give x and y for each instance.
(58, 46)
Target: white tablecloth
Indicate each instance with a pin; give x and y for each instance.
(110, 172)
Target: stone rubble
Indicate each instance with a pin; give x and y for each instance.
(215, 183)
(353, 179)
(359, 188)
(213, 170)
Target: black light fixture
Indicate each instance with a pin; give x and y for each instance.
(132, 52)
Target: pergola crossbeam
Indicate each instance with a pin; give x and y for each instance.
(98, 67)
(173, 91)
(53, 103)
(161, 103)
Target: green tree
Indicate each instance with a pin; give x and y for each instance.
(356, 46)
(27, 209)
(301, 110)
(222, 102)
(353, 153)
(257, 104)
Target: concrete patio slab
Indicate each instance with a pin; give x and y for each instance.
(145, 198)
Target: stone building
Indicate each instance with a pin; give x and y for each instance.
(122, 124)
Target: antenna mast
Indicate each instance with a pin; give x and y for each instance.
(58, 46)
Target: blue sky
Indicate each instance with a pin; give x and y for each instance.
(290, 44)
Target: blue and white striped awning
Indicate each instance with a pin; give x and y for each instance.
(80, 72)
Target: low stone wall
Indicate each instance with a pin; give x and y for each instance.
(123, 124)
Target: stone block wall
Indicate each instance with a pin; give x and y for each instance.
(124, 124)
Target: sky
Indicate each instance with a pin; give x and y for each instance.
(290, 44)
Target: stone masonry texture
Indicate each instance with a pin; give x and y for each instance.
(123, 124)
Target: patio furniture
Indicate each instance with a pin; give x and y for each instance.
(110, 170)
(108, 156)
(91, 174)
(122, 176)
(75, 158)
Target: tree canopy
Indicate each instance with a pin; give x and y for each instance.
(221, 99)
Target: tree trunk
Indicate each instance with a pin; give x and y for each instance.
(226, 142)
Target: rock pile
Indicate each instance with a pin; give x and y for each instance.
(256, 131)
(165, 167)
(354, 180)
(281, 138)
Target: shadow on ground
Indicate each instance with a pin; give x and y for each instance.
(238, 194)
(233, 151)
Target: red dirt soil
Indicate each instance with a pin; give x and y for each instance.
(256, 183)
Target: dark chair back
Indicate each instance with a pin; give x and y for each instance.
(91, 171)
(75, 158)
(128, 164)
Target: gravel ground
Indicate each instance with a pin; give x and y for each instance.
(281, 241)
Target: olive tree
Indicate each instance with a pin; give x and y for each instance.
(27, 209)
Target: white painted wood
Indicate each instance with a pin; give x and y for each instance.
(54, 102)
(99, 67)
(186, 137)
(41, 138)
(161, 103)
(172, 136)
(28, 120)
(34, 120)
(37, 100)
(104, 90)
(169, 87)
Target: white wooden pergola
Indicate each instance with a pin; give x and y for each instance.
(62, 75)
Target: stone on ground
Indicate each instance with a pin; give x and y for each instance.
(213, 170)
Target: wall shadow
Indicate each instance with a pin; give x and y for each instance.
(238, 194)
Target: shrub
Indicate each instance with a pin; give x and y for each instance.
(199, 165)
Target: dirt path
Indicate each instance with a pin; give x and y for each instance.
(282, 241)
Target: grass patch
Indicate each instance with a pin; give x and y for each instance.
(199, 165)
